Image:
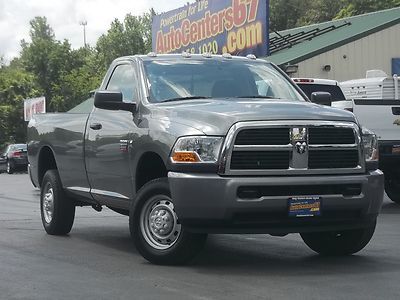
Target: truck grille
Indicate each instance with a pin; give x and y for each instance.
(333, 159)
(318, 136)
(260, 160)
(263, 136)
(298, 148)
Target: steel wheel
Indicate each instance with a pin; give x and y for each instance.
(159, 223)
(48, 203)
(155, 229)
(56, 209)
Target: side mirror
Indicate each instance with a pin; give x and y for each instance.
(322, 98)
(112, 100)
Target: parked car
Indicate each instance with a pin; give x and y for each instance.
(187, 145)
(14, 158)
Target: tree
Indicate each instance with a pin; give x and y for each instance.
(50, 61)
(15, 85)
(132, 36)
(74, 86)
(286, 14)
(357, 7)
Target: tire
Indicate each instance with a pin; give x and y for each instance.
(392, 189)
(170, 246)
(10, 167)
(57, 210)
(339, 243)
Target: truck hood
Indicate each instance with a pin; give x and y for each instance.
(216, 116)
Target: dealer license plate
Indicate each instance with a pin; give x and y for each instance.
(304, 206)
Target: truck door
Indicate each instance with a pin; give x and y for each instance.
(107, 144)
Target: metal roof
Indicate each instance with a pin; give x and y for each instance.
(298, 44)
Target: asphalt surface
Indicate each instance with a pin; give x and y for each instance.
(98, 261)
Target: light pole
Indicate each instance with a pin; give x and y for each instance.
(84, 23)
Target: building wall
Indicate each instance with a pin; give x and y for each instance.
(352, 60)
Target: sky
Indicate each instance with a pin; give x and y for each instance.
(64, 17)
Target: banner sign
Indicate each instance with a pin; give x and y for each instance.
(34, 106)
(238, 27)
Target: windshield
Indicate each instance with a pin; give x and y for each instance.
(334, 90)
(187, 79)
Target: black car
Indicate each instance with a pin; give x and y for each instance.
(14, 158)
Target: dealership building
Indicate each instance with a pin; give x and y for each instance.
(341, 49)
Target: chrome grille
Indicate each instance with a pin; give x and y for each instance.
(284, 148)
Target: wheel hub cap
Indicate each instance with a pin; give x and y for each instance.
(159, 223)
(48, 205)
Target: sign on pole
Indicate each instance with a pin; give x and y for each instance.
(238, 27)
(34, 106)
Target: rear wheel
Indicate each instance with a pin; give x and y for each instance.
(392, 189)
(57, 210)
(155, 228)
(337, 243)
(10, 167)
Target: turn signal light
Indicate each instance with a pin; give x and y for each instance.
(185, 157)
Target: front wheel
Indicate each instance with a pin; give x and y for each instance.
(57, 210)
(338, 243)
(155, 228)
(392, 189)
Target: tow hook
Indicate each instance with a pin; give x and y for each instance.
(97, 207)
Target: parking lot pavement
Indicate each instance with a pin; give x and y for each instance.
(98, 261)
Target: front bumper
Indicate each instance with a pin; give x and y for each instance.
(211, 203)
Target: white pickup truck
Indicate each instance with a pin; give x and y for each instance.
(381, 116)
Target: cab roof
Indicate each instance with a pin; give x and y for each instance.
(153, 56)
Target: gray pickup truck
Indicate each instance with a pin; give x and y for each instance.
(187, 145)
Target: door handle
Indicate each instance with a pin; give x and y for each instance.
(96, 126)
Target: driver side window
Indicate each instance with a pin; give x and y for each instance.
(123, 80)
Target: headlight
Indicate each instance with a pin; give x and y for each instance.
(370, 142)
(196, 149)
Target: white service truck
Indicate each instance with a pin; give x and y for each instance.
(376, 85)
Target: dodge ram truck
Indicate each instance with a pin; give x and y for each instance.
(187, 145)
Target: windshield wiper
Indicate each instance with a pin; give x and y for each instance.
(257, 97)
(185, 98)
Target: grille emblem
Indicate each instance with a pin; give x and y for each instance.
(301, 147)
(298, 134)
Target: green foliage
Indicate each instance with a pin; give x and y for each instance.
(357, 7)
(15, 86)
(132, 36)
(287, 14)
(51, 68)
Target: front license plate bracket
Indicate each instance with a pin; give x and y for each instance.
(304, 206)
